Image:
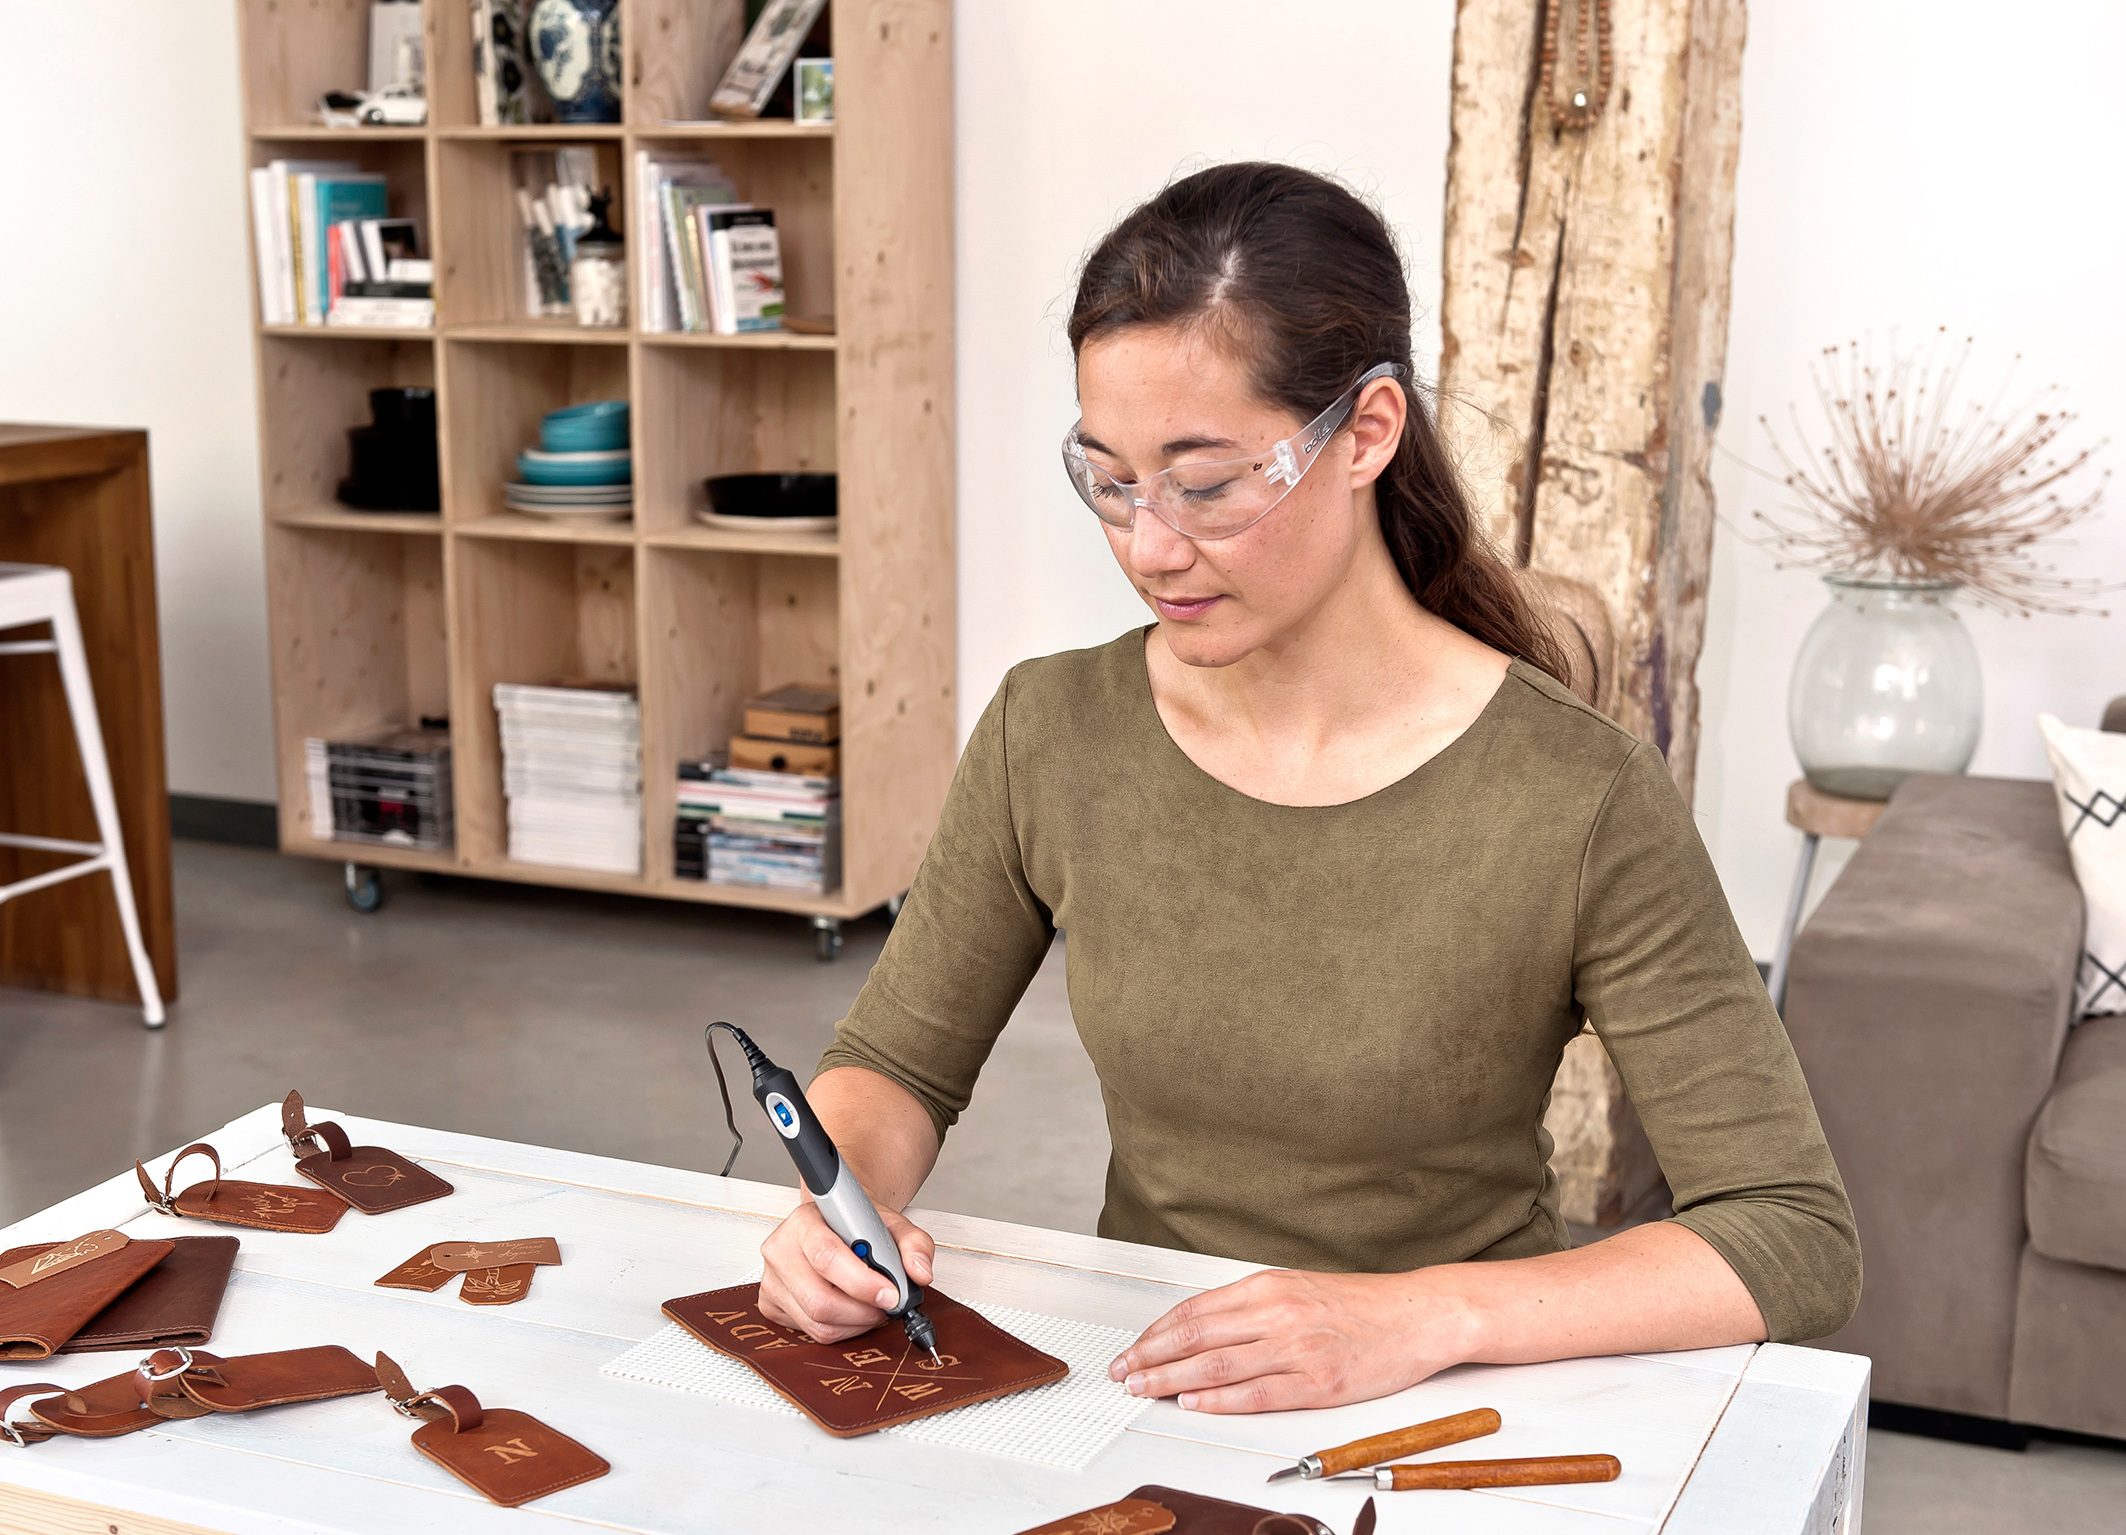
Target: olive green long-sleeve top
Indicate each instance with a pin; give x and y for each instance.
(1326, 1034)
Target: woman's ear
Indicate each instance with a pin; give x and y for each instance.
(1377, 421)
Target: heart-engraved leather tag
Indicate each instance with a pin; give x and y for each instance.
(417, 1273)
(266, 1206)
(1131, 1516)
(375, 1181)
(458, 1257)
(497, 1286)
(57, 1260)
(875, 1380)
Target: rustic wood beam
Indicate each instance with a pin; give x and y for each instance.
(1589, 234)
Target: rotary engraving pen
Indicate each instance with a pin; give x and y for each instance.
(842, 1201)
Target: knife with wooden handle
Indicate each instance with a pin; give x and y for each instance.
(1534, 1471)
(1403, 1441)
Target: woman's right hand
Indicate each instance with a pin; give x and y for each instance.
(810, 1279)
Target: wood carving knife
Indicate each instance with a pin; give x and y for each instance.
(1532, 1471)
(841, 1199)
(1403, 1441)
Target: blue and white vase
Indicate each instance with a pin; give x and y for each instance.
(576, 46)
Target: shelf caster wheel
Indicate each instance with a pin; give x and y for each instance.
(826, 939)
(365, 888)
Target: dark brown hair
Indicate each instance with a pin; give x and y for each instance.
(1304, 277)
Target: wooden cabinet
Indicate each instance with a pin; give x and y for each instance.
(380, 618)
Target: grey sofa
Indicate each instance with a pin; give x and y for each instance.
(1983, 1142)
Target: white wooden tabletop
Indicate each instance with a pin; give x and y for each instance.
(1745, 1439)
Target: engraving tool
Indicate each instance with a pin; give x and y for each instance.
(841, 1199)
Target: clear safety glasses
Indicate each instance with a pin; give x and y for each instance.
(1214, 500)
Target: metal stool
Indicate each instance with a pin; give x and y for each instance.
(1815, 815)
(34, 594)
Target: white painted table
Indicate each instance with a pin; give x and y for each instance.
(1783, 1454)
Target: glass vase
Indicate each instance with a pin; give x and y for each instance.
(1886, 685)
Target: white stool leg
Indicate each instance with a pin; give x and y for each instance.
(1776, 981)
(88, 734)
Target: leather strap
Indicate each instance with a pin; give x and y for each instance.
(337, 1145)
(159, 1380)
(452, 1402)
(462, 1405)
(295, 1127)
(169, 1174)
(23, 1435)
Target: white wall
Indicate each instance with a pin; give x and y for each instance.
(1892, 175)
(123, 303)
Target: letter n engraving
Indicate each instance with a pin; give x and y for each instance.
(512, 1451)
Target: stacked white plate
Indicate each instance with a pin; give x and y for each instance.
(571, 503)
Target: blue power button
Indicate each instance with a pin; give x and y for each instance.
(782, 1112)
(861, 1249)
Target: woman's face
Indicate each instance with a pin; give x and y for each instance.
(1157, 396)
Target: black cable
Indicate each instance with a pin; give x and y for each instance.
(753, 1057)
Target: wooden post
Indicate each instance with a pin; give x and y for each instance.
(1588, 239)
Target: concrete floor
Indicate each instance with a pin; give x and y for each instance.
(575, 1020)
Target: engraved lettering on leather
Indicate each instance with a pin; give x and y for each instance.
(372, 1179)
(460, 1256)
(873, 1381)
(511, 1452)
(57, 1260)
(1131, 1516)
(509, 1457)
(417, 1273)
(39, 1319)
(498, 1286)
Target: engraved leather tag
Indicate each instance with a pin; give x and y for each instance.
(37, 1321)
(497, 1286)
(509, 1457)
(1195, 1514)
(22, 1274)
(372, 1179)
(1131, 1516)
(878, 1379)
(267, 1206)
(417, 1273)
(457, 1257)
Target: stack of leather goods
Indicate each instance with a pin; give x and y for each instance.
(770, 812)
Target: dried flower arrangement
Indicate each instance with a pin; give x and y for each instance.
(1912, 488)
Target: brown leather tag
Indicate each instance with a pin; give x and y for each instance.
(457, 1257)
(511, 1457)
(878, 1379)
(1131, 1516)
(57, 1260)
(266, 1206)
(417, 1273)
(270, 1380)
(373, 1180)
(1195, 1514)
(497, 1287)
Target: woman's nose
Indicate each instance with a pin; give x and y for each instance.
(1154, 546)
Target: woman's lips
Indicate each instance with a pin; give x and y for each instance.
(1183, 607)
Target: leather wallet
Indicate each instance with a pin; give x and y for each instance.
(373, 1180)
(508, 1457)
(173, 1305)
(878, 1379)
(267, 1206)
(40, 1315)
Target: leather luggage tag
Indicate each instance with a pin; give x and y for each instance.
(508, 1457)
(417, 1273)
(1131, 1516)
(876, 1380)
(267, 1206)
(42, 1309)
(498, 1286)
(187, 1383)
(175, 1304)
(496, 1273)
(1195, 1514)
(373, 1180)
(102, 1410)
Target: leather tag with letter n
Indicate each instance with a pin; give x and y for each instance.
(511, 1457)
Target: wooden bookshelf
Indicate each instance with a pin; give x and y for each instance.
(378, 619)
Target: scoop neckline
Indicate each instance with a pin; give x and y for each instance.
(1141, 672)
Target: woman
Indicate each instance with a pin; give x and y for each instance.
(1343, 867)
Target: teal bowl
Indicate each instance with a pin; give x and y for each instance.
(600, 426)
(603, 468)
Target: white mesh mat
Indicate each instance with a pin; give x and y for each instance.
(1064, 1424)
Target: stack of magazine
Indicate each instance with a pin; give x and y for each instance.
(572, 771)
(390, 789)
(741, 827)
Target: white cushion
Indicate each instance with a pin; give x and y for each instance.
(2089, 781)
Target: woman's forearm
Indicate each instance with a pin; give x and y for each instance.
(1648, 1290)
(881, 1131)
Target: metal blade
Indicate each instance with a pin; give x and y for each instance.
(1288, 1472)
(1366, 1518)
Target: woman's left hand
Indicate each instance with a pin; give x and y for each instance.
(1284, 1338)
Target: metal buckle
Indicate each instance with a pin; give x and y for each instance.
(14, 1434)
(149, 1374)
(405, 1409)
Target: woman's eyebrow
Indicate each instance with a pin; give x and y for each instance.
(1178, 445)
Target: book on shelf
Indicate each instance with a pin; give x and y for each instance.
(323, 201)
(572, 775)
(275, 224)
(741, 268)
(553, 194)
(765, 57)
(736, 826)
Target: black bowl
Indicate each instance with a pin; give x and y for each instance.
(772, 495)
(411, 411)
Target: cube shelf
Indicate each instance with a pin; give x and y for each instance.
(384, 617)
